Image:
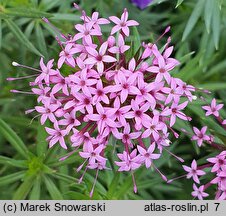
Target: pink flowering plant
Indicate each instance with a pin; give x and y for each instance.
(113, 91)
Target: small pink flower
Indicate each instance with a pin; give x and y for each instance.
(47, 111)
(147, 156)
(125, 85)
(193, 171)
(86, 31)
(200, 135)
(174, 112)
(155, 127)
(67, 56)
(99, 58)
(56, 135)
(103, 118)
(141, 118)
(127, 136)
(121, 47)
(99, 93)
(120, 111)
(128, 161)
(199, 192)
(213, 108)
(163, 68)
(92, 154)
(218, 161)
(47, 72)
(123, 23)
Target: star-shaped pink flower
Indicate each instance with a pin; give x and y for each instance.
(213, 109)
(193, 171)
(123, 23)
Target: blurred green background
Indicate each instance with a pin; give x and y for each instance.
(28, 170)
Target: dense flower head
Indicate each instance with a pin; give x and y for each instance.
(107, 93)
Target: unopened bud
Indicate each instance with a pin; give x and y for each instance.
(15, 64)
(111, 41)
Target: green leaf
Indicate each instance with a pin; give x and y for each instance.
(67, 17)
(65, 178)
(5, 180)
(135, 39)
(13, 162)
(213, 86)
(191, 69)
(40, 39)
(219, 67)
(0, 33)
(52, 189)
(179, 2)
(36, 190)
(216, 25)
(41, 143)
(208, 13)
(21, 36)
(19, 121)
(23, 190)
(196, 13)
(25, 12)
(14, 140)
(113, 186)
(76, 196)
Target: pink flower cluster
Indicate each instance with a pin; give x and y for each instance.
(109, 93)
(215, 165)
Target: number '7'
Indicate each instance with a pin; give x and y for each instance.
(217, 205)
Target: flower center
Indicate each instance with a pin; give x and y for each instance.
(86, 101)
(125, 86)
(104, 116)
(174, 110)
(138, 113)
(126, 136)
(162, 70)
(99, 92)
(99, 58)
(147, 155)
(82, 82)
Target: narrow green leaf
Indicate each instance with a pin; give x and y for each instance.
(21, 36)
(113, 186)
(24, 188)
(40, 39)
(208, 13)
(76, 196)
(14, 140)
(52, 189)
(65, 178)
(66, 16)
(0, 33)
(5, 180)
(49, 4)
(136, 39)
(29, 29)
(179, 2)
(36, 190)
(196, 13)
(220, 67)
(27, 12)
(216, 25)
(41, 143)
(13, 162)
(191, 69)
(19, 121)
(213, 86)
